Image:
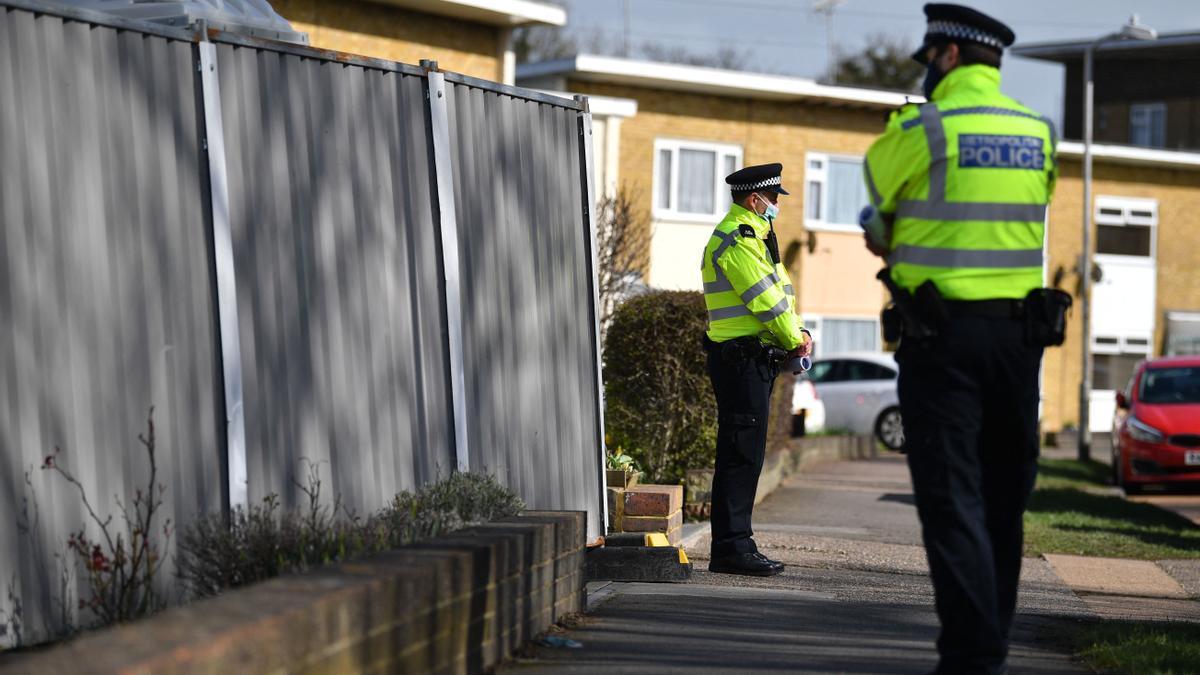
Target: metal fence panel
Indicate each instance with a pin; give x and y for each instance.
(105, 305)
(532, 395)
(109, 302)
(339, 301)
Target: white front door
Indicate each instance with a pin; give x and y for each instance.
(1123, 301)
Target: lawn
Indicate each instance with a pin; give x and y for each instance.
(1140, 647)
(1065, 517)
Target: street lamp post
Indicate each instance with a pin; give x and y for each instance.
(1130, 31)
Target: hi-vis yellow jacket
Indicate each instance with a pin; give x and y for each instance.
(968, 177)
(746, 293)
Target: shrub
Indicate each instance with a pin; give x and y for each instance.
(659, 404)
(260, 542)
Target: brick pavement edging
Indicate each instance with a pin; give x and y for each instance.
(455, 604)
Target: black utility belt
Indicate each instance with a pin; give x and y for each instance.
(924, 313)
(986, 309)
(743, 349)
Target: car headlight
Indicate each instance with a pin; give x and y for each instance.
(1141, 431)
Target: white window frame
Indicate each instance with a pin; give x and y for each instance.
(1131, 209)
(720, 189)
(821, 177)
(1147, 110)
(815, 323)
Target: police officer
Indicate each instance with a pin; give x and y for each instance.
(962, 183)
(752, 331)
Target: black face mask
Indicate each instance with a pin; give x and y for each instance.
(932, 77)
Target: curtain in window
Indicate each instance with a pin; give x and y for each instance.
(697, 169)
(845, 191)
(664, 179)
(848, 335)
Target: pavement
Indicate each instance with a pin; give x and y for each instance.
(855, 597)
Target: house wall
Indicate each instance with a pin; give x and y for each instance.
(397, 34)
(1177, 284)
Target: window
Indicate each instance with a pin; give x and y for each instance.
(834, 192)
(689, 179)
(1125, 227)
(841, 335)
(1171, 385)
(865, 370)
(1111, 372)
(1148, 124)
(823, 371)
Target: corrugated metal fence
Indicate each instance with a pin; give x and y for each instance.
(294, 256)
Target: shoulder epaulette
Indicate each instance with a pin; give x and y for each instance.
(747, 231)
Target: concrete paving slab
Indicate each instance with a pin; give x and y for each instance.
(1114, 576)
(1186, 572)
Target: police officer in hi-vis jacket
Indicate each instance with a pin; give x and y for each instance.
(753, 330)
(959, 188)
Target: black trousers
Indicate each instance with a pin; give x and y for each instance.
(743, 392)
(969, 400)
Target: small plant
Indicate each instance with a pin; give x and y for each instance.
(121, 566)
(619, 461)
(261, 542)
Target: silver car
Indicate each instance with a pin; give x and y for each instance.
(859, 393)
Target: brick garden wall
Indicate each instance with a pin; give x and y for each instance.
(456, 604)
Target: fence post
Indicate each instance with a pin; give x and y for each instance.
(443, 169)
(227, 312)
(589, 218)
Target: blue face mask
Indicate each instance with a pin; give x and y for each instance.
(932, 77)
(772, 211)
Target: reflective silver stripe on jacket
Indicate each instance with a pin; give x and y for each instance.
(728, 313)
(778, 310)
(935, 138)
(981, 110)
(759, 287)
(954, 257)
(721, 283)
(987, 211)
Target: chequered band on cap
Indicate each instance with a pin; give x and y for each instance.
(747, 187)
(962, 31)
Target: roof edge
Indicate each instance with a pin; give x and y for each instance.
(702, 79)
(1127, 154)
(508, 13)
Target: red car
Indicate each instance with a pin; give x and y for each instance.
(1156, 431)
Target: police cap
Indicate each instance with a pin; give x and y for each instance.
(758, 177)
(955, 23)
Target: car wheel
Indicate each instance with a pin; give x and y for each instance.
(1119, 472)
(889, 428)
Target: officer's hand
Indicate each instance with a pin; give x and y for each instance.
(804, 348)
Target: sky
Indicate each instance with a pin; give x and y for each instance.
(786, 37)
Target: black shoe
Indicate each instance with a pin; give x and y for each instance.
(748, 564)
(774, 563)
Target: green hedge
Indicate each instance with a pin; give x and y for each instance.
(659, 405)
